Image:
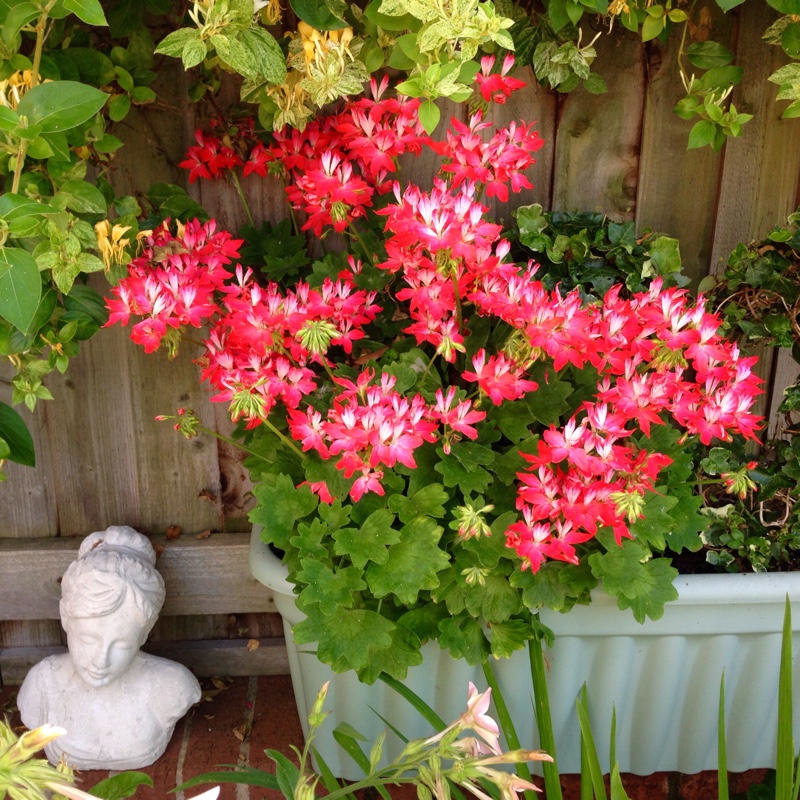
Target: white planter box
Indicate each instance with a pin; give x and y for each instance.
(662, 677)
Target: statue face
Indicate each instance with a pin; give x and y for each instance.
(102, 648)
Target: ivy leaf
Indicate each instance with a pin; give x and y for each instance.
(20, 287)
(332, 590)
(413, 563)
(643, 586)
(280, 505)
(16, 436)
(345, 638)
(428, 501)
(370, 542)
(549, 401)
(507, 637)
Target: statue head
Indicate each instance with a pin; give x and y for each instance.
(110, 599)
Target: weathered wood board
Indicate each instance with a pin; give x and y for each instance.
(208, 576)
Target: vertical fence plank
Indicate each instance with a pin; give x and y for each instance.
(761, 178)
(598, 136)
(28, 505)
(677, 187)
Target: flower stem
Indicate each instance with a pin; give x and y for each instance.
(238, 185)
(285, 439)
(228, 440)
(506, 723)
(354, 233)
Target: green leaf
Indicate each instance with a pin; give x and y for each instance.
(413, 563)
(702, 133)
(91, 12)
(330, 589)
(235, 55)
(118, 107)
(389, 22)
(266, 54)
(17, 437)
(173, 43)
(455, 474)
(786, 6)
(395, 659)
(20, 287)
(718, 79)
(508, 637)
(18, 17)
(641, 585)
(9, 119)
(193, 53)
(790, 40)
(344, 639)
(370, 542)
(428, 501)
(656, 522)
(317, 14)
(61, 105)
(495, 601)
(83, 198)
(121, 786)
(125, 17)
(652, 27)
(727, 5)
(464, 638)
(706, 55)
(280, 506)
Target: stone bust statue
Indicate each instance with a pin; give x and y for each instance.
(118, 705)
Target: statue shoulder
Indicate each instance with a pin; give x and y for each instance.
(42, 686)
(177, 686)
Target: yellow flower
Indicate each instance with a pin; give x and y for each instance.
(111, 244)
(12, 89)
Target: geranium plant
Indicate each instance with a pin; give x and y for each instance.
(441, 442)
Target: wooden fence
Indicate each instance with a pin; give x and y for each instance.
(102, 458)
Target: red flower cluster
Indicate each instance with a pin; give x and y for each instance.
(174, 281)
(658, 357)
(219, 149)
(497, 87)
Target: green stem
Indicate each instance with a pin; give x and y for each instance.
(354, 233)
(238, 185)
(41, 24)
(507, 724)
(459, 313)
(544, 722)
(285, 439)
(228, 440)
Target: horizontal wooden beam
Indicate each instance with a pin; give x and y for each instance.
(202, 576)
(224, 657)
